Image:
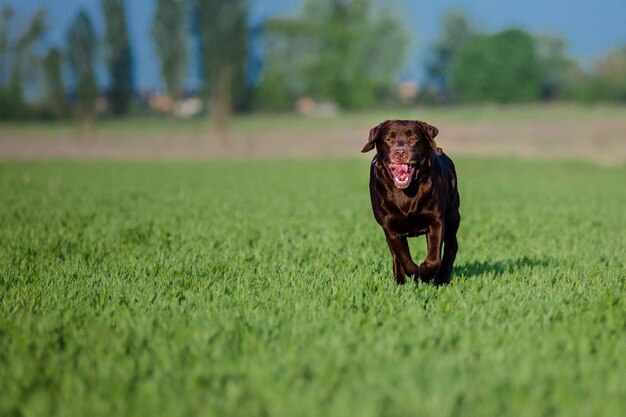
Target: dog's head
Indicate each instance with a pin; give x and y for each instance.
(403, 146)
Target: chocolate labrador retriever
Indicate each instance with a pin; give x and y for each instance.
(413, 187)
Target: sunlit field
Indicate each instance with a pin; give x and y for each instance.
(265, 288)
(149, 125)
(554, 131)
(185, 219)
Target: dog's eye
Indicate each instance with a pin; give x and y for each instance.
(389, 139)
(412, 139)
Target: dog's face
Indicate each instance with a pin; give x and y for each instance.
(403, 146)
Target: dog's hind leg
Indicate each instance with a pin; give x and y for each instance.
(432, 263)
(450, 249)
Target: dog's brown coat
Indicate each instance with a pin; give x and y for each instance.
(429, 205)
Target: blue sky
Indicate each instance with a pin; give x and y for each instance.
(591, 27)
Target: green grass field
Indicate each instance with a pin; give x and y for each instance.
(265, 288)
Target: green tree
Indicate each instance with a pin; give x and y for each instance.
(6, 18)
(609, 79)
(81, 45)
(344, 51)
(119, 56)
(223, 33)
(501, 67)
(559, 73)
(18, 62)
(170, 35)
(457, 31)
(6, 102)
(53, 80)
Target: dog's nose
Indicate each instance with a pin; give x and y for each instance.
(400, 155)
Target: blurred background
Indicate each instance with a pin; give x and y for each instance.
(213, 78)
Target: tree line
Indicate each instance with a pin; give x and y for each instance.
(219, 28)
(468, 64)
(349, 53)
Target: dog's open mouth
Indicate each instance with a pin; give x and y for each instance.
(402, 174)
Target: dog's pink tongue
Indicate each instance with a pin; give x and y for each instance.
(400, 168)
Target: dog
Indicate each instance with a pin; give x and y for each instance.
(414, 191)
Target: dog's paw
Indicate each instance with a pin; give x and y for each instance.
(428, 270)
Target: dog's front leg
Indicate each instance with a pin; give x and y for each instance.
(434, 238)
(402, 262)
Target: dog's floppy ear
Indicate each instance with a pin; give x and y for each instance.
(431, 133)
(374, 136)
